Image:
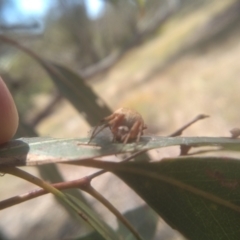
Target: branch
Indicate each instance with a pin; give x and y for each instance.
(83, 183)
(90, 190)
(184, 127)
(80, 183)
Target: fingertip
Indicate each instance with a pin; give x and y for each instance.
(8, 114)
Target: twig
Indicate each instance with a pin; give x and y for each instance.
(46, 188)
(96, 174)
(90, 190)
(184, 149)
(174, 134)
(83, 183)
(79, 183)
(180, 130)
(55, 100)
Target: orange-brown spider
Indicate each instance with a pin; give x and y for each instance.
(125, 124)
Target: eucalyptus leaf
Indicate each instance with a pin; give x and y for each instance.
(50, 172)
(71, 86)
(35, 151)
(91, 217)
(77, 91)
(199, 197)
(77, 207)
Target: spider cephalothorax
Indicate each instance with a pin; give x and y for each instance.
(125, 124)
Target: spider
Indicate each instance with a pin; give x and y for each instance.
(125, 124)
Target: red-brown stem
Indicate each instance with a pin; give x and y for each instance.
(79, 183)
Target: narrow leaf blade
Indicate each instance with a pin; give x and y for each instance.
(76, 90)
(35, 151)
(197, 196)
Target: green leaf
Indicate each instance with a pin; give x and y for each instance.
(75, 89)
(79, 208)
(200, 197)
(35, 151)
(71, 86)
(49, 172)
(90, 216)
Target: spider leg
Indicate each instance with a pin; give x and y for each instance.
(109, 118)
(95, 131)
(141, 127)
(105, 121)
(113, 119)
(123, 137)
(132, 132)
(115, 123)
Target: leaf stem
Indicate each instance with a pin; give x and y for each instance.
(184, 127)
(90, 190)
(46, 188)
(83, 183)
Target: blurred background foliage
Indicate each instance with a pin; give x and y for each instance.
(67, 32)
(169, 59)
